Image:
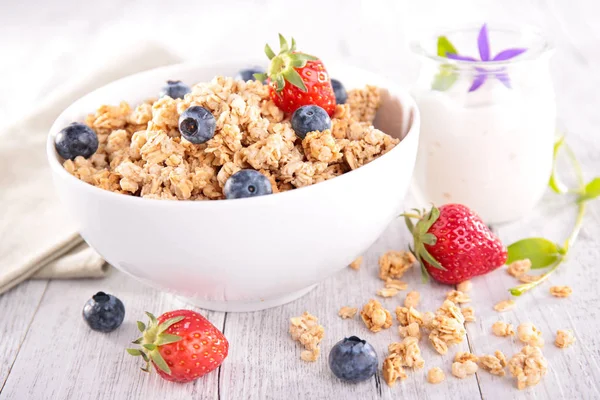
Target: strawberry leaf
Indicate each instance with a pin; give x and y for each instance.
(160, 362)
(269, 52)
(261, 77)
(138, 341)
(283, 45)
(429, 258)
(149, 346)
(166, 338)
(541, 252)
(168, 323)
(409, 224)
(429, 238)
(592, 190)
(134, 352)
(293, 77)
(141, 326)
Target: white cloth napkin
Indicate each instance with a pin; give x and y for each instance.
(37, 238)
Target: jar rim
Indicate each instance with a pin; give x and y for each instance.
(543, 45)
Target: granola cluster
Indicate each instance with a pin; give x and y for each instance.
(435, 375)
(141, 152)
(502, 329)
(561, 291)
(394, 264)
(402, 354)
(528, 366)
(375, 316)
(306, 330)
(494, 364)
(464, 364)
(447, 327)
(529, 334)
(564, 338)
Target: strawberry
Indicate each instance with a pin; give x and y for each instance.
(297, 79)
(453, 244)
(182, 345)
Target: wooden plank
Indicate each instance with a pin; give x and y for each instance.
(17, 309)
(264, 362)
(62, 358)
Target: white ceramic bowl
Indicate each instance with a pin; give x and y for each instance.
(247, 254)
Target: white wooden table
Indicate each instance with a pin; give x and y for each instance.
(47, 352)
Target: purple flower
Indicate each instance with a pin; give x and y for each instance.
(483, 43)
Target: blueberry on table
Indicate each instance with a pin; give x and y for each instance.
(104, 312)
(248, 74)
(76, 140)
(353, 360)
(175, 90)
(340, 92)
(197, 124)
(309, 119)
(247, 183)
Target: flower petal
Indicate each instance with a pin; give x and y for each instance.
(508, 54)
(483, 43)
(477, 82)
(503, 77)
(459, 57)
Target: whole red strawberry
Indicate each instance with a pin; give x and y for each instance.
(297, 79)
(182, 345)
(453, 244)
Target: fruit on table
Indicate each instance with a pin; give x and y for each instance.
(104, 312)
(182, 345)
(248, 74)
(197, 124)
(453, 244)
(247, 183)
(353, 360)
(76, 140)
(309, 119)
(340, 91)
(297, 79)
(175, 90)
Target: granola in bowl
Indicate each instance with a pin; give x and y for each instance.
(142, 153)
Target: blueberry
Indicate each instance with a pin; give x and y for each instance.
(175, 90)
(197, 124)
(104, 312)
(309, 119)
(247, 183)
(340, 92)
(76, 140)
(248, 74)
(353, 360)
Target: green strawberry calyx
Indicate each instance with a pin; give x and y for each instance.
(283, 65)
(422, 237)
(154, 336)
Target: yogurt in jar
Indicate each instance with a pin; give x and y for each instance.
(490, 149)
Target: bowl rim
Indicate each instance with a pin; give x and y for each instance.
(57, 167)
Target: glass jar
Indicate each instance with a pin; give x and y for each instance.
(491, 147)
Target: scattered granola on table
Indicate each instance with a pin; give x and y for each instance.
(456, 296)
(502, 329)
(504, 305)
(409, 352)
(529, 278)
(494, 364)
(447, 328)
(141, 151)
(529, 334)
(306, 330)
(435, 375)
(394, 264)
(412, 299)
(347, 312)
(413, 329)
(564, 338)
(519, 268)
(468, 313)
(392, 370)
(463, 369)
(355, 265)
(375, 316)
(561, 291)
(528, 366)
(395, 284)
(408, 315)
(387, 292)
(465, 286)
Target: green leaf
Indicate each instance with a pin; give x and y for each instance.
(304, 57)
(283, 44)
(592, 190)
(260, 77)
(409, 224)
(159, 361)
(168, 323)
(444, 80)
(429, 258)
(141, 326)
(269, 52)
(145, 357)
(293, 48)
(444, 46)
(153, 320)
(167, 338)
(149, 346)
(280, 82)
(429, 238)
(555, 184)
(293, 77)
(541, 252)
(138, 341)
(134, 352)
